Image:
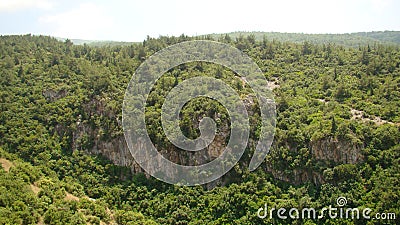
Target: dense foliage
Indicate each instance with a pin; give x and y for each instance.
(48, 87)
(348, 39)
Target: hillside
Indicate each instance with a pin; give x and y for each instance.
(349, 39)
(98, 43)
(64, 159)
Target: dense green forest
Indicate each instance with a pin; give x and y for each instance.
(329, 96)
(348, 39)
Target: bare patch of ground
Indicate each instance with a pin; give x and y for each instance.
(35, 189)
(71, 197)
(273, 83)
(6, 164)
(361, 115)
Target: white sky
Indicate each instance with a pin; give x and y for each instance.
(133, 20)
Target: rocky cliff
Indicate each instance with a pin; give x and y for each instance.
(90, 138)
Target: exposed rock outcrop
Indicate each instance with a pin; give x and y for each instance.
(52, 95)
(88, 137)
(297, 176)
(332, 149)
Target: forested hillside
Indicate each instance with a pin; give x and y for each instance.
(348, 39)
(337, 134)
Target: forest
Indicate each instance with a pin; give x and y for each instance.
(337, 133)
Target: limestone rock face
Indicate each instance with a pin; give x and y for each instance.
(89, 137)
(338, 151)
(328, 151)
(116, 149)
(297, 176)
